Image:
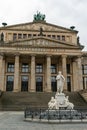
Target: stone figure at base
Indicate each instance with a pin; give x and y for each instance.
(52, 104)
(67, 103)
(60, 82)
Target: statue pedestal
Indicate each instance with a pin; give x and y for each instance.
(60, 98)
(60, 101)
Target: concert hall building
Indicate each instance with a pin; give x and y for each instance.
(31, 54)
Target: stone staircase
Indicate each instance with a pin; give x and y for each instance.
(19, 100)
(83, 93)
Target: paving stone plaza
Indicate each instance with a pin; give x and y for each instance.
(15, 121)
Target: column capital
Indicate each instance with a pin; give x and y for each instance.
(48, 55)
(32, 55)
(1, 55)
(17, 54)
(64, 56)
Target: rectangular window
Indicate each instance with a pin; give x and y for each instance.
(68, 68)
(69, 83)
(53, 84)
(53, 36)
(39, 68)
(14, 36)
(29, 35)
(19, 36)
(84, 69)
(48, 35)
(58, 37)
(34, 35)
(44, 35)
(63, 38)
(10, 67)
(9, 83)
(39, 83)
(25, 67)
(53, 68)
(84, 82)
(24, 36)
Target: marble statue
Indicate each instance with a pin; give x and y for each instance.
(60, 82)
(60, 100)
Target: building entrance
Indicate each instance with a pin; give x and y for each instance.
(69, 83)
(39, 84)
(10, 82)
(24, 83)
(53, 84)
(84, 82)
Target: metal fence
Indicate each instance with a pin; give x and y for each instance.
(45, 114)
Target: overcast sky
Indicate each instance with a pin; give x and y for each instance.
(59, 12)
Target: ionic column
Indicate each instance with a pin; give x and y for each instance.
(2, 72)
(48, 74)
(16, 74)
(79, 67)
(33, 81)
(74, 76)
(64, 70)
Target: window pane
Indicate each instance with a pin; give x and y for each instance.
(24, 78)
(68, 68)
(25, 67)
(24, 35)
(19, 36)
(53, 68)
(10, 78)
(63, 38)
(84, 69)
(58, 37)
(14, 36)
(39, 68)
(10, 67)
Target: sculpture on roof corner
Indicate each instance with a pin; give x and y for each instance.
(39, 17)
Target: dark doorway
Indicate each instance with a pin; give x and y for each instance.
(69, 83)
(53, 84)
(24, 83)
(10, 83)
(39, 84)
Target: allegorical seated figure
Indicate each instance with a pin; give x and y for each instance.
(52, 104)
(60, 82)
(68, 104)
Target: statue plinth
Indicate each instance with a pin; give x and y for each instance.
(60, 101)
(60, 97)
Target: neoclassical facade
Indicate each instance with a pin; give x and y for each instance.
(31, 54)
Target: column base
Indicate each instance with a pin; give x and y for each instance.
(48, 90)
(16, 90)
(32, 90)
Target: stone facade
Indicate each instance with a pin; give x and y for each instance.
(30, 61)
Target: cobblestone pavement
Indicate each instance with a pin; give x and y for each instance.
(15, 121)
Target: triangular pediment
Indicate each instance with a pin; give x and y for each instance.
(42, 42)
(36, 26)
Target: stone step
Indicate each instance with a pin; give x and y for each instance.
(19, 100)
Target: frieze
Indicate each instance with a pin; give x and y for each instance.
(42, 43)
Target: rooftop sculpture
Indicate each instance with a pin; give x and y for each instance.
(39, 17)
